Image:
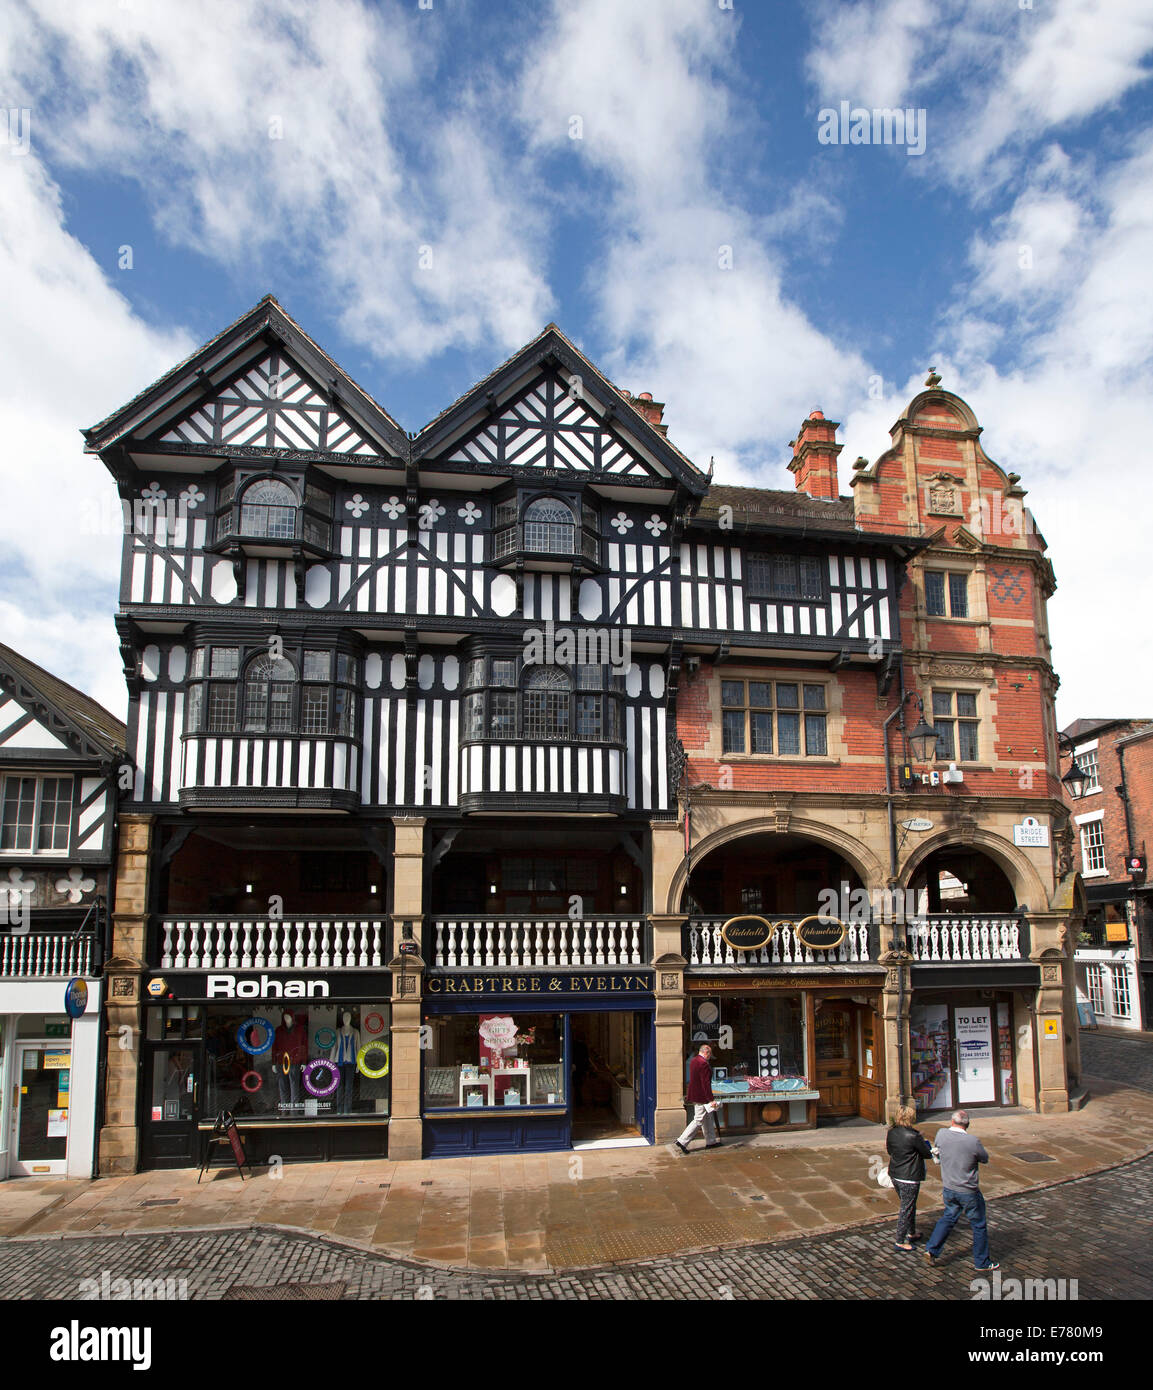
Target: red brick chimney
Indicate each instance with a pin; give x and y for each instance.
(653, 411)
(815, 453)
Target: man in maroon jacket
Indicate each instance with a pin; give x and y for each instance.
(700, 1097)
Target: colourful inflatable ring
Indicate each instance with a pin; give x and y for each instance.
(258, 1079)
(306, 1076)
(374, 1022)
(245, 1028)
(286, 1064)
(324, 1038)
(363, 1053)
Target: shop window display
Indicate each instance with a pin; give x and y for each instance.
(929, 1043)
(478, 1061)
(287, 1063)
(760, 1043)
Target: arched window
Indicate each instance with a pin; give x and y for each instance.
(233, 690)
(549, 527)
(540, 704)
(268, 510)
(269, 687)
(546, 703)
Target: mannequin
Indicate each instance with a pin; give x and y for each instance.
(343, 1054)
(289, 1041)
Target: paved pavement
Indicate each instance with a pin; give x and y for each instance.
(1092, 1230)
(797, 1217)
(541, 1212)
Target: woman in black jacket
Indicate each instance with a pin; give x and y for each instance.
(908, 1150)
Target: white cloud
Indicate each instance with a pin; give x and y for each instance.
(994, 77)
(71, 351)
(690, 287)
(270, 133)
(1069, 411)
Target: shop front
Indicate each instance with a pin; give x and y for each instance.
(791, 1049)
(302, 1061)
(963, 1048)
(48, 1074)
(537, 1061)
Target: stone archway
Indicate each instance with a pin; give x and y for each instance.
(813, 850)
(1023, 881)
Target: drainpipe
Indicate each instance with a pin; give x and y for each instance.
(895, 944)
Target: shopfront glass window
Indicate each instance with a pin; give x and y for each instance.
(757, 1043)
(483, 1060)
(273, 1062)
(173, 1083)
(929, 1056)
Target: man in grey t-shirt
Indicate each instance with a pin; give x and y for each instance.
(960, 1154)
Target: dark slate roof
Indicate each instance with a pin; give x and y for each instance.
(1086, 728)
(82, 710)
(762, 506)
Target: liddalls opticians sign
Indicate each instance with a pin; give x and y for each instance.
(748, 933)
(602, 982)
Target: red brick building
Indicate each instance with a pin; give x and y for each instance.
(801, 787)
(1111, 821)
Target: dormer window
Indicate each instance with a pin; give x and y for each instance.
(274, 510)
(545, 528)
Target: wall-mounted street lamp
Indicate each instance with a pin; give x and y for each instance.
(923, 739)
(1076, 779)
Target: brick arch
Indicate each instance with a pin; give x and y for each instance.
(864, 861)
(1023, 877)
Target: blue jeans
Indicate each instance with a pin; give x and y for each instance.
(967, 1201)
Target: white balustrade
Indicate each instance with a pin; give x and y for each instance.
(708, 947)
(510, 943)
(964, 938)
(43, 955)
(199, 943)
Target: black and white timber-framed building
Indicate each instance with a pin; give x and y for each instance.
(403, 714)
(61, 755)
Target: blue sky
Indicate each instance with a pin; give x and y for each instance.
(424, 188)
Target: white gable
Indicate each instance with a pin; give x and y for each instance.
(14, 734)
(271, 406)
(551, 427)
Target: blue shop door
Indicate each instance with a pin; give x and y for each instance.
(646, 1073)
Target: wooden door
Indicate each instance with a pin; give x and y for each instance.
(871, 1065)
(836, 1055)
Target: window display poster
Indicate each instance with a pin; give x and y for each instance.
(58, 1124)
(1005, 1053)
(976, 1077)
(929, 1034)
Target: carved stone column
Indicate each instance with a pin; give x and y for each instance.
(1053, 1024)
(405, 1134)
(119, 1142)
(669, 965)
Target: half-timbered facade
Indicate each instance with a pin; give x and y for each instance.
(409, 717)
(60, 760)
